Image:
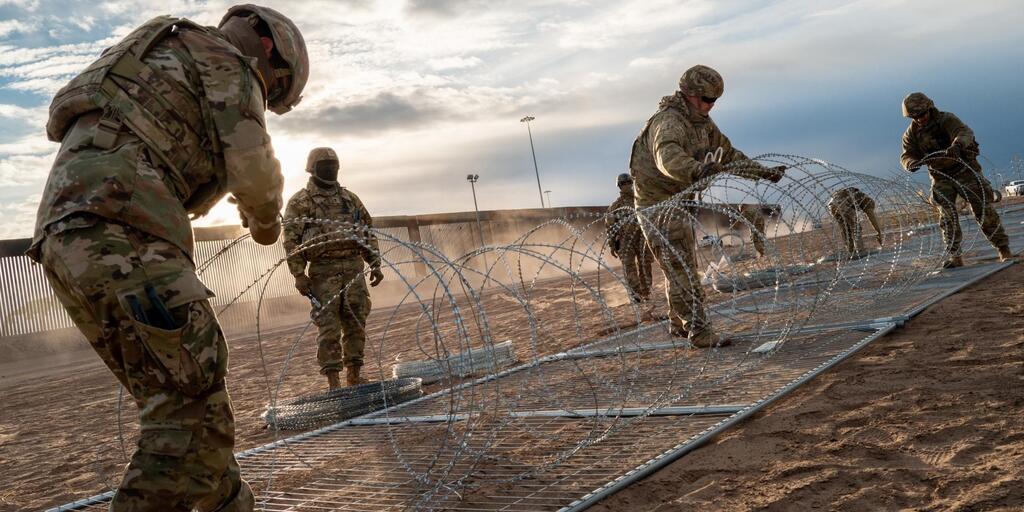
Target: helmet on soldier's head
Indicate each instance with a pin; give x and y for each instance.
(320, 155)
(701, 80)
(916, 103)
(623, 179)
(290, 54)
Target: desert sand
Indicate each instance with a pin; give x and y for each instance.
(928, 418)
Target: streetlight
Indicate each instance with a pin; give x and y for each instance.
(548, 193)
(472, 179)
(527, 120)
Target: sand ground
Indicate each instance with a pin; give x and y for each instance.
(928, 418)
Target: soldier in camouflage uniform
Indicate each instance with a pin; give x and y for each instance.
(326, 228)
(668, 158)
(627, 242)
(947, 146)
(755, 215)
(160, 127)
(843, 205)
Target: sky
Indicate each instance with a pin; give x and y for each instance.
(416, 94)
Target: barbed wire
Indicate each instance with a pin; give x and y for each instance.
(553, 292)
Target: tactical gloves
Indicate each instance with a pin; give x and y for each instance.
(303, 284)
(708, 169)
(263, 233)
(376, 276)
(775, 174)
(953, 151)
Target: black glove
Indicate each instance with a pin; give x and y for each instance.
(953, 151)
(614, 248)
(376, 276)
(914, 166)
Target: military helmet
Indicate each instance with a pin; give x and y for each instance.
(701, 80)
(319, 155)
(290, 46)
(623, 179)
(916, 103)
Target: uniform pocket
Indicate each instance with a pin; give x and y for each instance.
(165, 441)
(181, 335)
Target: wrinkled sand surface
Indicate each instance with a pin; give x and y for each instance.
(928, 418)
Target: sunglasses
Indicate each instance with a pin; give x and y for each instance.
(708, 100)
(918, 116)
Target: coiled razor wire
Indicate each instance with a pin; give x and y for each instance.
(491, 359)
(548, 290)
(319, 409)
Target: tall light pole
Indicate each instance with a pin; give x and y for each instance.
(472, 179)
(527, 120)
(548, 193)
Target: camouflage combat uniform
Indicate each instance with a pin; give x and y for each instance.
(625, 236)
(113, 235)
(951, 177)
(755, 216)
(843, 205)
(336, 215)
(665, 161)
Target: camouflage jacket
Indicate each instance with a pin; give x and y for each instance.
(670, 149)
(127, 184)
(334, 215)
(850, 199)
(943, 129)
(621, 222)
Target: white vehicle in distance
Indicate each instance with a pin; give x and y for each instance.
(1015, 188)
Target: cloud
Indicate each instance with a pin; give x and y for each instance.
(8, 27)
(379, 113)
(19, 216)
(20, 170)
(454, 63)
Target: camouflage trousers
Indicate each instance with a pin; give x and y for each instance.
(637, 269)
(849, 227)
(757, 234)
(978, 193)
(672, 242)
(340, 287)
(138, 301)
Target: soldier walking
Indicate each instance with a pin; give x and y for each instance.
(627, 243)
(843, 205)
(947, 146)
(757, 220)
(326, 229)
(159, 128)
(668, 157)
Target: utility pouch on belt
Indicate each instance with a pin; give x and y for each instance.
(138, 97)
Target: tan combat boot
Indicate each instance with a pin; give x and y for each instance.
(677, 331)
(352, 377)
(244, 501)
(1005, 254)
(707, 339)
(953, 262)
(333, 379)
(646, 311)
